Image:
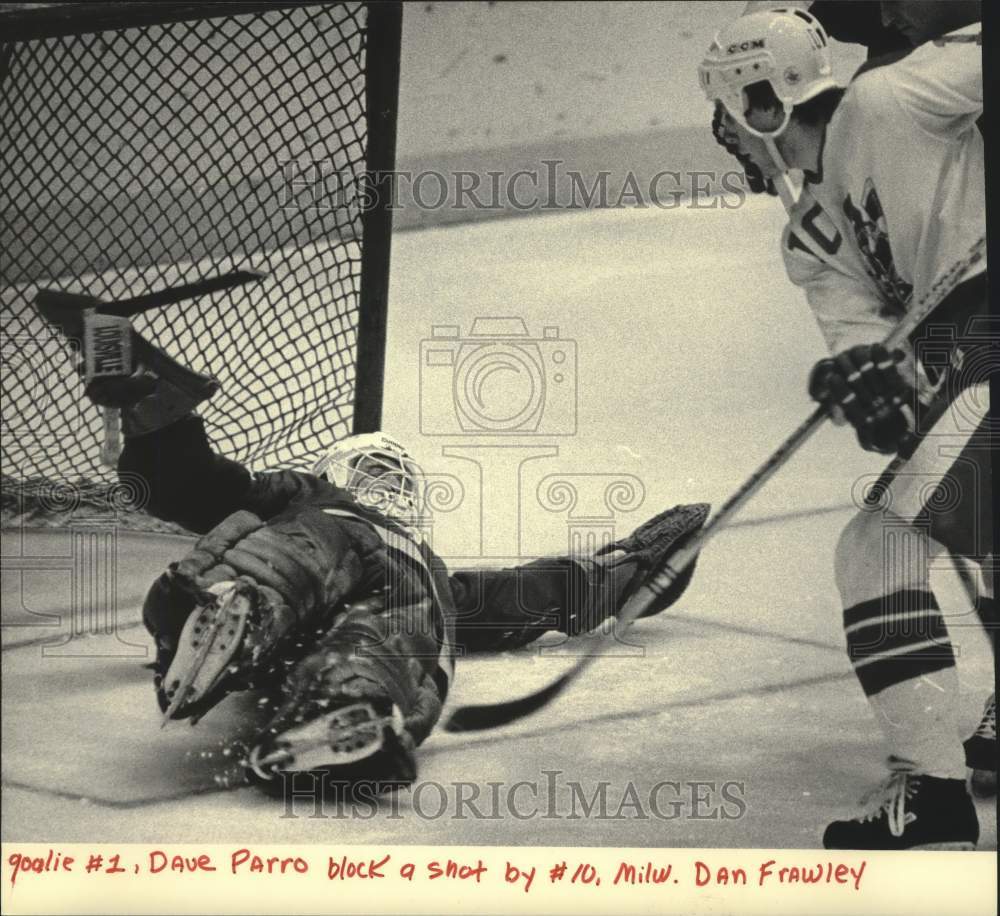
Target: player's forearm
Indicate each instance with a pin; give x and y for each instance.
(506, 608)
(188, 483)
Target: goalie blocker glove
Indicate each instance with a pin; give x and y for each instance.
(864, 386)
(151, 389)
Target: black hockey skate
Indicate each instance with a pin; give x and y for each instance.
(911, 811)
(981, 752)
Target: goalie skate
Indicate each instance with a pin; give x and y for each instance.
(344, 736)
(211, 648)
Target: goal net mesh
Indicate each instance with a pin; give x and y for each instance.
(141, 158)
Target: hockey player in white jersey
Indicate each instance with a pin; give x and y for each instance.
(893, 200)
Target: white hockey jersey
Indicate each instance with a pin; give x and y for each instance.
(901, 195)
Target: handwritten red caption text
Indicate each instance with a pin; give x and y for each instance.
(343, 868)
(246, 862)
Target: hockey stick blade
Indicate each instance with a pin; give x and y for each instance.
(127, 308)
(479, 717)
(487, 716)
(59, 307)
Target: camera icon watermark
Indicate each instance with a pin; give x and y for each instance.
(497, 381)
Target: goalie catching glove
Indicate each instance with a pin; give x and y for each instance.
(619, 569)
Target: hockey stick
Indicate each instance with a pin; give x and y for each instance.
(89, 320)
(478, 717)
(126, 308)
(111, 442)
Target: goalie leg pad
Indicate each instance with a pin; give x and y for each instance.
(356, 709)
(284, 580)
(175, 594)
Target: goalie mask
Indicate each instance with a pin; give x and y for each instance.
(379, 473)
(785, 48)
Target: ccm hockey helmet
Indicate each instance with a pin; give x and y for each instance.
(378, 472)
(786, 48)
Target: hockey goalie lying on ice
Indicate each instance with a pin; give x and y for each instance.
(313, 588)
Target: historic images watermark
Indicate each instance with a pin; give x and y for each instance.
(549, 186)
(551, 797)
(75, 573)
(503, 397)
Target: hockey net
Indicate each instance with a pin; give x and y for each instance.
(145, 149)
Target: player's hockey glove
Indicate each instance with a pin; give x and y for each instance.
(756, 181)
(622, 567)
(864, 386)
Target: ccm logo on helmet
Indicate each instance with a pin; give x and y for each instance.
(749, 45)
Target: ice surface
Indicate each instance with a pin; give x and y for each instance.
(692, 351)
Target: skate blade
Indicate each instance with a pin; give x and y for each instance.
(345, 735)
(211, 639)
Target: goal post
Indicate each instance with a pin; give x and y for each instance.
(382, 84)
(149, 146)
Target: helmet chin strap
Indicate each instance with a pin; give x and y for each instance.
(771, 142)
(770, 139)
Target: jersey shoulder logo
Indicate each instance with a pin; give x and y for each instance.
(871, 232)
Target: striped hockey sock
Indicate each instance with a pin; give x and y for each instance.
(904, 660)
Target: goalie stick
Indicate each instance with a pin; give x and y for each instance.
(109, 344)
(479, 717)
